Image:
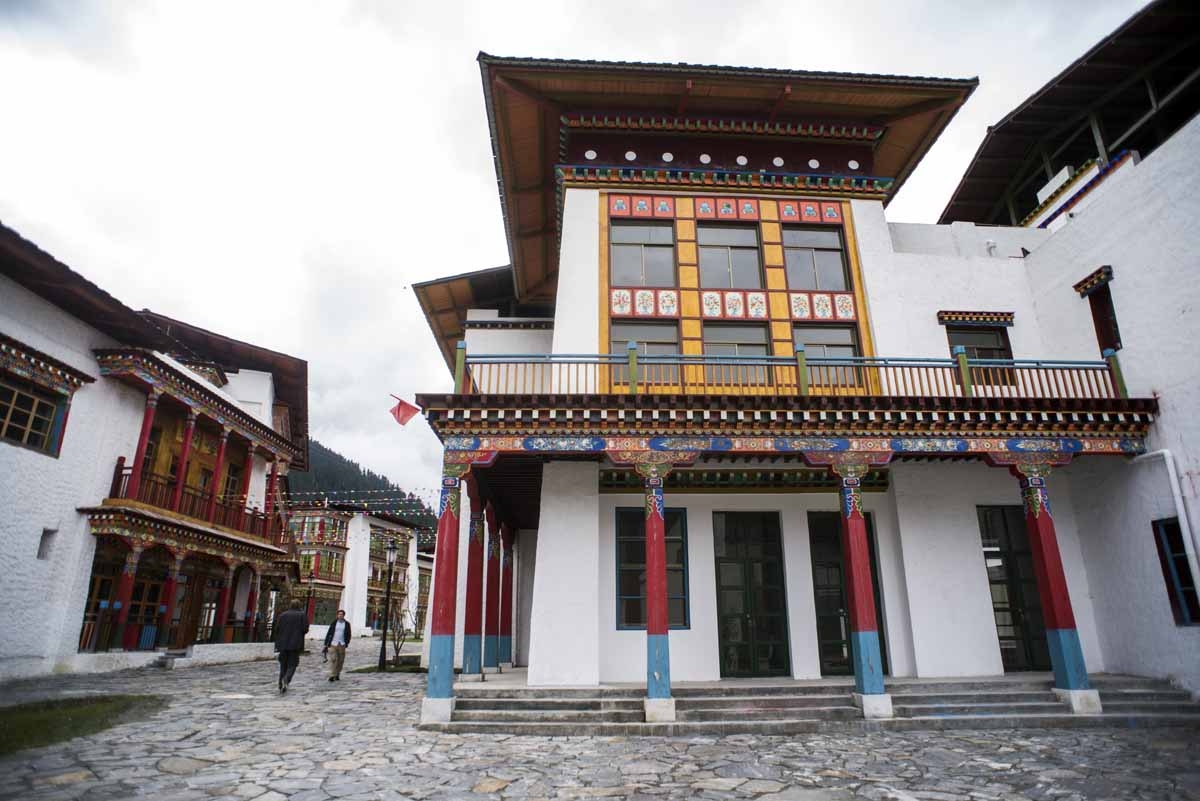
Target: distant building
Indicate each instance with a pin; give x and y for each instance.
(740, 425)
(141, 461)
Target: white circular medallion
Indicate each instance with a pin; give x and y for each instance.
(853, 164)
(777, 161)
(705, 158)
(630, 155)
(742, 161)
(668, 157)
(813, 164)
(590, 155)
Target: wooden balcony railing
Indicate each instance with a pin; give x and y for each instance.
(158, 491)
(772, 375)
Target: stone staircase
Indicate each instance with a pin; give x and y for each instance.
(166, 659)
(798, 708)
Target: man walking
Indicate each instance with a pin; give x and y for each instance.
(290, 629)
(338, 638)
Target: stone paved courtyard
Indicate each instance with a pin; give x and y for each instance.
(226, 734)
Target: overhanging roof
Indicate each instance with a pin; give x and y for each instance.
(1160, 29)
(526, 98)
(445, 302)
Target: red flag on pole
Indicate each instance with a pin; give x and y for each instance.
(404, 411)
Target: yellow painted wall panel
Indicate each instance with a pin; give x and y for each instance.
(776, 278)
(689, 304)
(773, 255)
(685, 230)
(781, 330)
(684, 207)
(689, 277)
(687, 252)
(783, 347)
(691, 328)
(771, 233)
(768, 210)
(693, 347)
(779, 306)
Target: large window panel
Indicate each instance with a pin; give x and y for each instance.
(653, 339)
(729, 257)
(642, 254)
(26, 415)
(980, 342)
(631, 568)
(737, 340)
(815, 259)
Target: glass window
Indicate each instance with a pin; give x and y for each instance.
(981, 342)
(1177, 573)
(746, 341)
(729, 257)
(642, 254)
(815, 259)
(26, 417)
(653, 339)
(826, 341)
(631, 568)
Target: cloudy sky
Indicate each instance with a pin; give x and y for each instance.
(282, 172)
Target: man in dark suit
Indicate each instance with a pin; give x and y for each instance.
(290, 629)
(338, 638)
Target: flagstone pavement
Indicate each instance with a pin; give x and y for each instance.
(227, 734)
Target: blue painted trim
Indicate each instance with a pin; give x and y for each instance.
(505, 648)
(491, 651)
(640, 511)
(658, 666)
(1066, 655)
(868, 665)
(441, 667)
(472, 653)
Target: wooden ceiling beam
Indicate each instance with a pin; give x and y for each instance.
(683, 98)
(523, 90)
(924, 107)
(779, 101)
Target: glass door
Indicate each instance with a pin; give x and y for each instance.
(1015, 602)
(751, 594)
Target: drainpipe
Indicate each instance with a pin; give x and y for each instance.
(1185, 527)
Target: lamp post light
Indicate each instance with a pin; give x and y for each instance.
(387, 603)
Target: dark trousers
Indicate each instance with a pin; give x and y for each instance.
(288, 661)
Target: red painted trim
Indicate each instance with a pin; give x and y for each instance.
(139, 457)
(657, 616)
(856, 555)
(473, 622)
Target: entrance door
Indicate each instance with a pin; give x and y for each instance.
(751, 595)
(1015, 601)
(829, 593)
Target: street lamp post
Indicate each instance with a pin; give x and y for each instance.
(387, 603)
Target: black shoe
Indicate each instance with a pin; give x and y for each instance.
(337, 678)
(331, 678)
(283, 689)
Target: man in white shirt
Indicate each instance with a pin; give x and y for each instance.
(338, 639)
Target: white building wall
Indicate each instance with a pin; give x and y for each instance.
(356, 570)
(577, 328)
(39, 492)
(254, 392)
(565, 617)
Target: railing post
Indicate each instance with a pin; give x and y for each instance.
(801, 370)
(631, 355)
(964, 369)
(115, 490)
(460, 366)
(1114, 372)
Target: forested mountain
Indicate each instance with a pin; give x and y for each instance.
(340, 479)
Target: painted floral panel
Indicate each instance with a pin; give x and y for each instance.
(622, 301)
(710, 304)
(789, 210)
(822, 307)
(668, 302)
(756, 304)
(800, 306)
(664, 207)
(643, 302)
(735, 304)
(844, 306)
(618, 205)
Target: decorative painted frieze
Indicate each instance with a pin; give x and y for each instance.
(1094, 281)
(984, 318)
(709, 207)
(641, 302)
(19, 359)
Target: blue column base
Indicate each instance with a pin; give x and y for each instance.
(505, 649)
(658, 666)
(441, 667)
(491, 651)
(868, 665)
(1066, 655)
(472, 653)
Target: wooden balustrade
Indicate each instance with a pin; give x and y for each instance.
(772, 375)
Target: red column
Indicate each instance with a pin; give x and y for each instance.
(269, 501)
(506, 594)
(218, 476)
(473, 624)
(222, 616)
(251, 607)
(658, 658)
(244, 500)
(125, 594)
(181, 474)
(445, 588)
(167, 607)
(139, 457)
(491, 623)
(312, 608)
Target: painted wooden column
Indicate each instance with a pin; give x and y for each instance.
(860, 593)
(491, 623)
(252, 605)
(125, 594)
(506, 596)
(269, 500)
(166, 609)
(473, 622)
(218, 477)
(221, 619)
(659, 703)
(189, 430)
(439, 691)
(247, 471)
(139, 457)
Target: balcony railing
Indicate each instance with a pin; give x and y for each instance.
(159, 491)
(773, 375)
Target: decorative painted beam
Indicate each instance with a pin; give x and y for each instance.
(644, 121)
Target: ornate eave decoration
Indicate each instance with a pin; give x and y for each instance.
(146, 368)
(634, 121)
(135, 525)
(983, 318)
(857, 185)
(1094, 281)
(36, 367)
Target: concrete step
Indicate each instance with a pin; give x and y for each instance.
(588, 716)
(794, 690)
(1149, 707)
(1175, 696)
(548, 704)
(737, 702)
(1043, 696)
(484, 691)
(846, 712)
(941, 687)
(943, 710)
(1106, 682)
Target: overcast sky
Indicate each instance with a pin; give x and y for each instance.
(282, 172)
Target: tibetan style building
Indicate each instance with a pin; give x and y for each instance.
(141, 462)
(721, 418)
